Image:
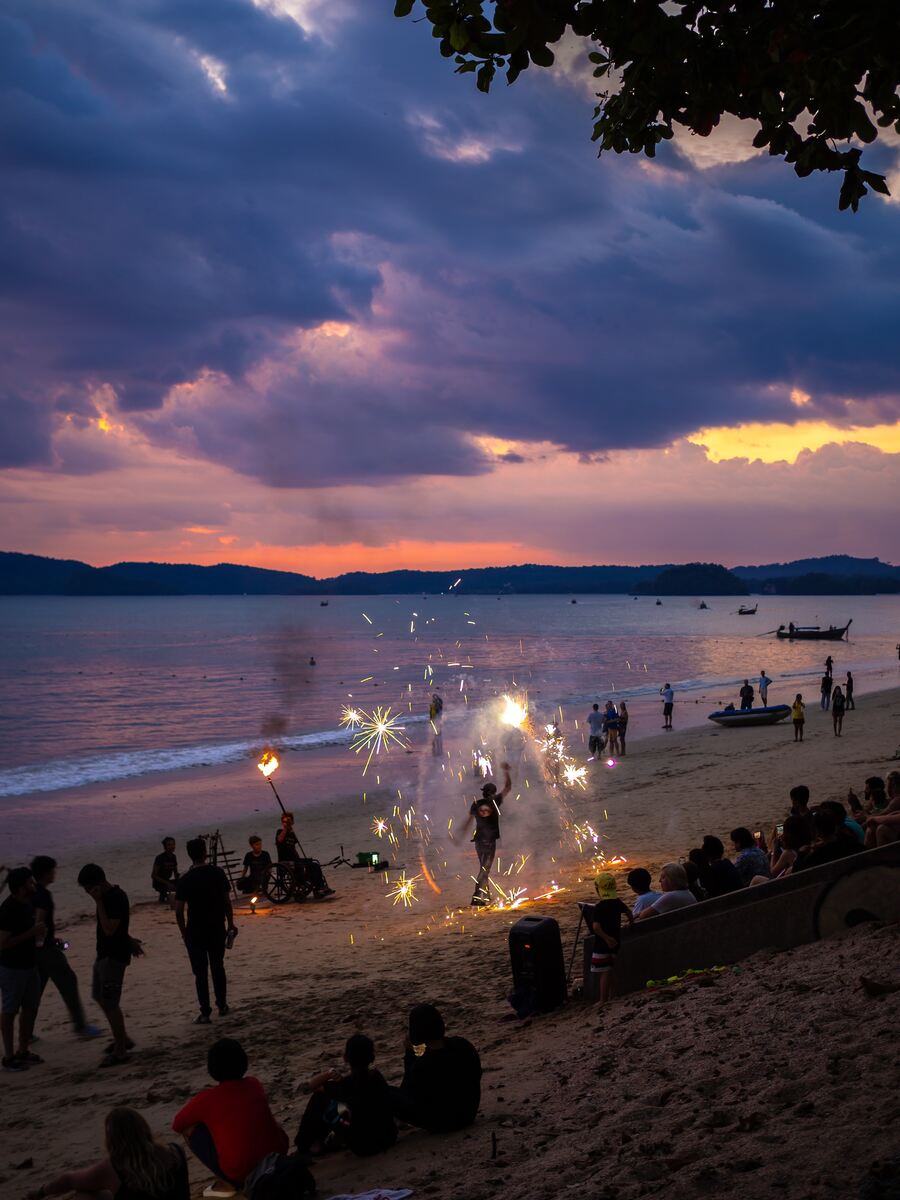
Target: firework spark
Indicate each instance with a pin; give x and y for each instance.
(405, 891)
(515, 711)
(575, 776)
(351, 717)
(377, 731)
(379, 826)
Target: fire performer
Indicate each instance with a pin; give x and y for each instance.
(486, 815)
(287, 843)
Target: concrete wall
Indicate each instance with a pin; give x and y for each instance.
(787, 912)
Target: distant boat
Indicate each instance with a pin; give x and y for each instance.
(746, 611)
(733, 717)
(703, 604)
(659, 602)
(323, 604)
(813, 633)
(573, 601)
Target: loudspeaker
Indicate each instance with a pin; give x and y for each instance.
(536, 953)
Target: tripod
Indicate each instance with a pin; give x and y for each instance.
(339, 860)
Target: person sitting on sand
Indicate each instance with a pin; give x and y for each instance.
(164, 872)
(692, 870)
(441, 1088)
(137, 1166)
(828, 846)
(787, 846)
(256, 867)
(749, 858)
(352, 1110)
(639, 881)
(798, 716)
(884, 828)
(673, 883)
(847, 826)
(230, 1127)
(718, 875)
(606, 926)
(874, 799)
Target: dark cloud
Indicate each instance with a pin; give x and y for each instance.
(156, 230)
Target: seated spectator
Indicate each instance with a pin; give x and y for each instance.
(441, 1088)
(719, 876)
(884, 827)
(256, 867)
(692, 870)
(787, 846)
(750, 859)
(230, 1128)
(673, 883)
(639, 881)
(138, 1167)
(874, 799)
(353, 1110)
(827, 846)
(800, 806)
(846, 824)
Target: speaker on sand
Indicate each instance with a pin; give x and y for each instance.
(536, 953)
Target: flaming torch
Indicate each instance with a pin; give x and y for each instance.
(268, 765)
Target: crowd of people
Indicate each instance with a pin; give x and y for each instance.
(807, 837)
(231, 1129)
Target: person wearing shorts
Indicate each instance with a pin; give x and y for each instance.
(20, 983)
(798, 716)
(114, 950)
(668, 696)
(595, 724)
(606, 925)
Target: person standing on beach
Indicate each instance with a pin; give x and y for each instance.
(825, 688)
(52, 963)
(611, 727)
(763, 685)
(837, 710)
(829, 663)
(595, 724)
(164, 875)
(606, 926)
(115, 948)
(485, 813)
(623, 727)
(210, 918)
(668, 696)
(848, 692)
(747, 695)
(20, 984)
(798, 716)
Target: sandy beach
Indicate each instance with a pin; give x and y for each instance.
(703, 1082)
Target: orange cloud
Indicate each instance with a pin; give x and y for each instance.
(323, 560)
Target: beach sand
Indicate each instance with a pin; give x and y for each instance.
(779, 1075)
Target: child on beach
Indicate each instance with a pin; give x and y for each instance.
(606, 924)
(798, 716)
(639, 881)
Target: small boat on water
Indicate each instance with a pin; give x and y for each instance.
(733, 717)
(813, 633)
(323, 604)
(703, 604)
(659, 602)
(746, 611)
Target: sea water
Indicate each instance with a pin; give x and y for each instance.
(97, 689)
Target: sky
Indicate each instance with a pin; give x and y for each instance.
(278, 288)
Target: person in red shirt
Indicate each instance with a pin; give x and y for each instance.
(230, 1128)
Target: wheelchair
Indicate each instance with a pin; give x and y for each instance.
(287, 881)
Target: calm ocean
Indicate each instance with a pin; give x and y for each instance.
(94, 689)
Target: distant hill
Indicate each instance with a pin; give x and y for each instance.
(694, 579)
(34, 575)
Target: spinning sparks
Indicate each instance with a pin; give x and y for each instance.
(268, 763)
(377, 730)
(405, 891)
(351, 717)
(379, 826)
(575, 776)
(514, 712)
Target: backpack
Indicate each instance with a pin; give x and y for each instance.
(280, 1177)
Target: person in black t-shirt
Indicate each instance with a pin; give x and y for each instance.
(718, 874)
(486, 815)
(52, 963)
(164, 875)
(287, 844)
(20, 984)
(606, 926)
(352, 1110)
(441, 1088)
(256, 867)
(115, 948)
(206, 892)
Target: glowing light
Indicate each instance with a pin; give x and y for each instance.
(379, 826)
(351, 717)
(404, 891)
(268, 763)
(575, 776)
(514, 712)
